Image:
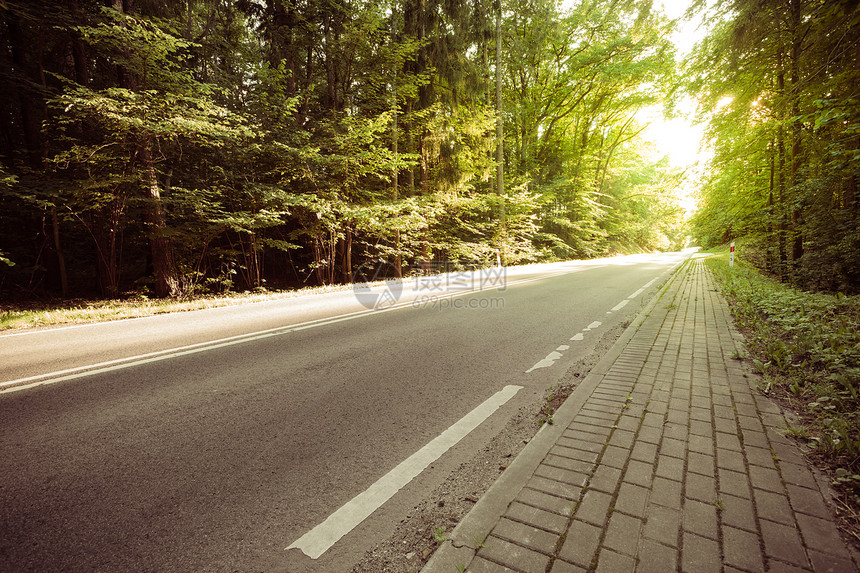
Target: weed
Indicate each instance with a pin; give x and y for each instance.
(806, 347)
(545, 416)
(719, 504)
(439, 535)
(797, 431)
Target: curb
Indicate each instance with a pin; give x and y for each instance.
(462, 545)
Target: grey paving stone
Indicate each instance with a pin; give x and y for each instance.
(738, 512)
(610, 562)
(662, 524)
(750, 422)
(561, 475)
(525, 535)
(656, 558)
(615, 457)
(622, 438)
(639, 473)
(644, 452)
(673, 447)
(700, 487)
(570, 464)
(773, 506)
(605, 479)
(561, 506)
(504, 552)
(570, 440)
(670, 467)
(629, 423)
(742, 549)
(479, 565)
(700, 406)
(701, 444)
(783, 542)
(580, 544)
(831, 563)
(724, 412)
(728, 441)
(734, 483)
(598, 413)
(666, 492)
(537, 517)
(700, 555)
(698, 463)
(821, 535)
(700, 518)
(622, 534)
(587, 432)
(725, 426)
(560, 566)
(574, 453)
(676, 431)
(786, 451)
(650, 435)
(594, 507)
(797, 475)
(761, 457)
(701, 428)
(755, 438)
(776, 566)
(632, 499)
(556, 488)
(678, 415)
(764, 478)
(807, 501)
(731, 460)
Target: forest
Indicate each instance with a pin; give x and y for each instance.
(173, 148)
(779, 87)
(176, 148)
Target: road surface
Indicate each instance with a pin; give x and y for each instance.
(287, 435)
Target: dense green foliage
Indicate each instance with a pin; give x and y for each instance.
(175, 147)
(780, 83)
(806, 346)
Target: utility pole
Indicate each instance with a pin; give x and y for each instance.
(500, 133)
(398, 261)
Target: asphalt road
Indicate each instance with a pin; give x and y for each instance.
(288, 435)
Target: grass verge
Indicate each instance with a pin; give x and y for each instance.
(41, 314)
(806, 347)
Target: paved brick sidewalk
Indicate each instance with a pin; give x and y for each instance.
(663, 459)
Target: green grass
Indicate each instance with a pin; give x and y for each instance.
(85, 311)
(806, 346)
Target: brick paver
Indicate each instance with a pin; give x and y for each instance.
(675, 462)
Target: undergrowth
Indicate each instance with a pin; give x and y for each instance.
(806, 346)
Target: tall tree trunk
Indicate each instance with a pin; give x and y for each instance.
(30, 101)
(166, 279)
(796, 125)
(780, 173)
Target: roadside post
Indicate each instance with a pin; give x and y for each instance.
(732, 254)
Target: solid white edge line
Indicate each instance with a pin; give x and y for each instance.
(320, 539)
(620, 305)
